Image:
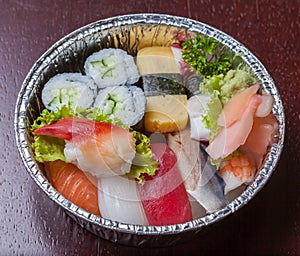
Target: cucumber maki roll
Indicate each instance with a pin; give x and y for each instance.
(126, 103)
(69, 89)
(111, 67)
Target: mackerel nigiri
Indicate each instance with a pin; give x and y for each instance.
(163, 196)
(201, 179)
(101, 149)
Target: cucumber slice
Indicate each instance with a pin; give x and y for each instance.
(125, 103)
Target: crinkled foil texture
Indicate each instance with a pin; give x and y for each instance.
(131, 32)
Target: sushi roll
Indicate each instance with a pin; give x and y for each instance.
(111, 67)
(126, 103)
(69, 89)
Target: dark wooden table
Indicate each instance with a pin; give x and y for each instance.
(31, 224)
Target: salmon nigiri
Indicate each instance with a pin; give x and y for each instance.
(74, 185)
(163, 196)
(101, 149)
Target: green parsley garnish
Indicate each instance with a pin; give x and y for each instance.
(205, 55)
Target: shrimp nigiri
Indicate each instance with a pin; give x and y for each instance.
(74, 185)
(237, 171)
(101, 149)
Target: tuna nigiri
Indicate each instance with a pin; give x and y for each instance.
(163, 196)
(101, 149)
(74, 185)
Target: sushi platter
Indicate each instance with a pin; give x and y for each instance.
(148, 128)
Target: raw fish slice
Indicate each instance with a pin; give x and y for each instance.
(266, 105)
(187, 152)
(260, 138)
(210, 188)
(201, 179)
(163, 196)
(100, 149)
(119, 200)
(74, 185)
(229, 139)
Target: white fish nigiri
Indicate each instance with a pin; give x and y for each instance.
(119, 200)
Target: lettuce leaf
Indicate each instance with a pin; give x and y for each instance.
(143, 162)
(49, 117)
(211, 117)
(47, 148)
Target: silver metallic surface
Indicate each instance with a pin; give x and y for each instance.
(130, 32)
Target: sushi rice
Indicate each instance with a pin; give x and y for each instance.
(70, 89)
(111, 67)
(126, 103)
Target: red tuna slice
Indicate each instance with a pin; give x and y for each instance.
(229, 139)
(235, 107)
(164, 196)
(260, 138)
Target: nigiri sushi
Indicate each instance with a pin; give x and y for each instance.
(196, 108)
(164, 198)
(101, 149)
(237, 171)
(119, 200)
(260, 138)
(201, 179)
(73, 184)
